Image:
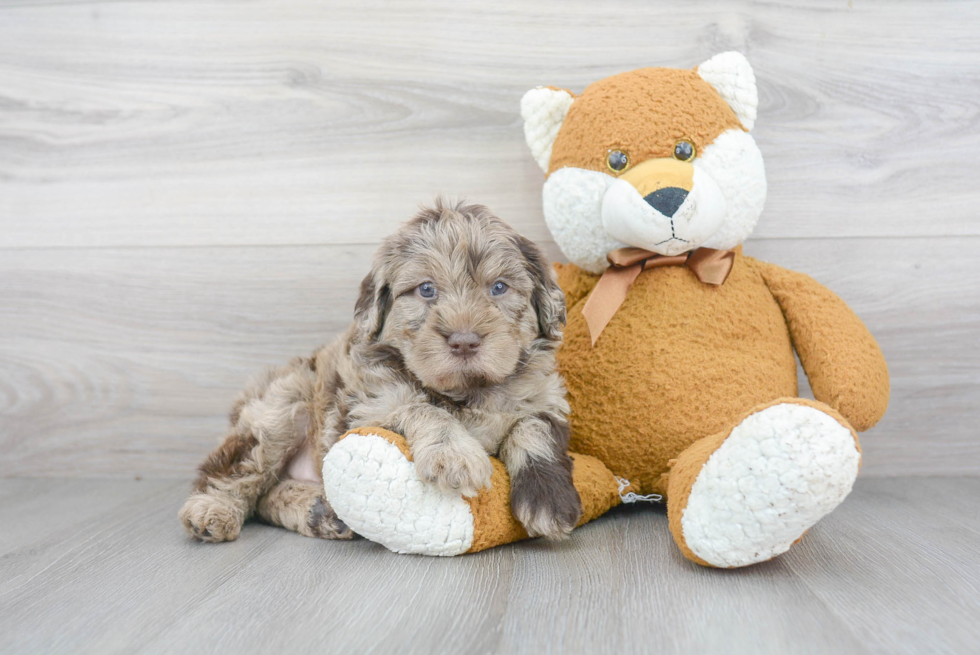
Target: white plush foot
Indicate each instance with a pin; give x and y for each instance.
(780, 471)
(374, 489)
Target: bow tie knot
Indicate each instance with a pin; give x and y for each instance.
(710, 266)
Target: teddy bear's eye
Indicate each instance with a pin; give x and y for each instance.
(684, 150)
(617, 161)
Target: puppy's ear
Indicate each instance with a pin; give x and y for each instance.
(371, 308)
(548, 298)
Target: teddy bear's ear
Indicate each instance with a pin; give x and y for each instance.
(543, 110)
(732, 76)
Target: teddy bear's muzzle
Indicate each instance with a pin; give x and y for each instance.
(664, 206)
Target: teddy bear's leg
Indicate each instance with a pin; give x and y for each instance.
(749, 493)
(370, 482)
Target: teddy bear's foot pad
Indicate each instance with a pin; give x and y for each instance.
(777, 473)
(372, 486)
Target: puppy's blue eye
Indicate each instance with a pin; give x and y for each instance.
(427, 290)
(498, 289)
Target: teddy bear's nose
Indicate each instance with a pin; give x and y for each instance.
(667, 200)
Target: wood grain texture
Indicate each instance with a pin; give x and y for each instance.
(892, 571)
(216, 123)
(191, 190)
(120, 362)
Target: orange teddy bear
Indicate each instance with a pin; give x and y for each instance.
(679, 350)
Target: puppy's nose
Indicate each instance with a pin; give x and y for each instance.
(667, 200)
(464, 344)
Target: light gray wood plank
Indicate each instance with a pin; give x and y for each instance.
(63, 530)
(366, 601)
(148, 123)
(621, 586)
(901, 553)
(891, 571)
(105, 584)
(124, 362)
(133, 357)
(33, 509)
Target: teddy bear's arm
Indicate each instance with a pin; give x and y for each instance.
(842, 360)
(576, 283)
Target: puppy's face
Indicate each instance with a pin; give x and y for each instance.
(462, 297)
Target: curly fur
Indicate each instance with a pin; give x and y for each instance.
(394, 368)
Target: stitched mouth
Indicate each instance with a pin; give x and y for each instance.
(673, 236)
(669, 239)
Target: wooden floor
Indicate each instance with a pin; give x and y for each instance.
(104, 567)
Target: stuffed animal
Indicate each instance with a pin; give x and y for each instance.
(679, 350)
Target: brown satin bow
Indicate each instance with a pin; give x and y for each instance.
(708, 265)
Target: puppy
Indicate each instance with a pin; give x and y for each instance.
(452, 345)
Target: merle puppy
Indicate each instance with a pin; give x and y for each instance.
(452, 345)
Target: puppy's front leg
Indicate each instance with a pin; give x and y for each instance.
(542, 495)
(444, 452)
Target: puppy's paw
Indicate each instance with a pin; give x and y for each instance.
(545, 502)
(457, 465)
(323, 523)
(211, 518)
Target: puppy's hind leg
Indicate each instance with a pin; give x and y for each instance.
(301, 506)
(270, 420)
(219, 504)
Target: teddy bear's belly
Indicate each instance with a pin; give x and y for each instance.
(680, 360)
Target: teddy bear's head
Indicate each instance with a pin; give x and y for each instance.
(657, 158)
